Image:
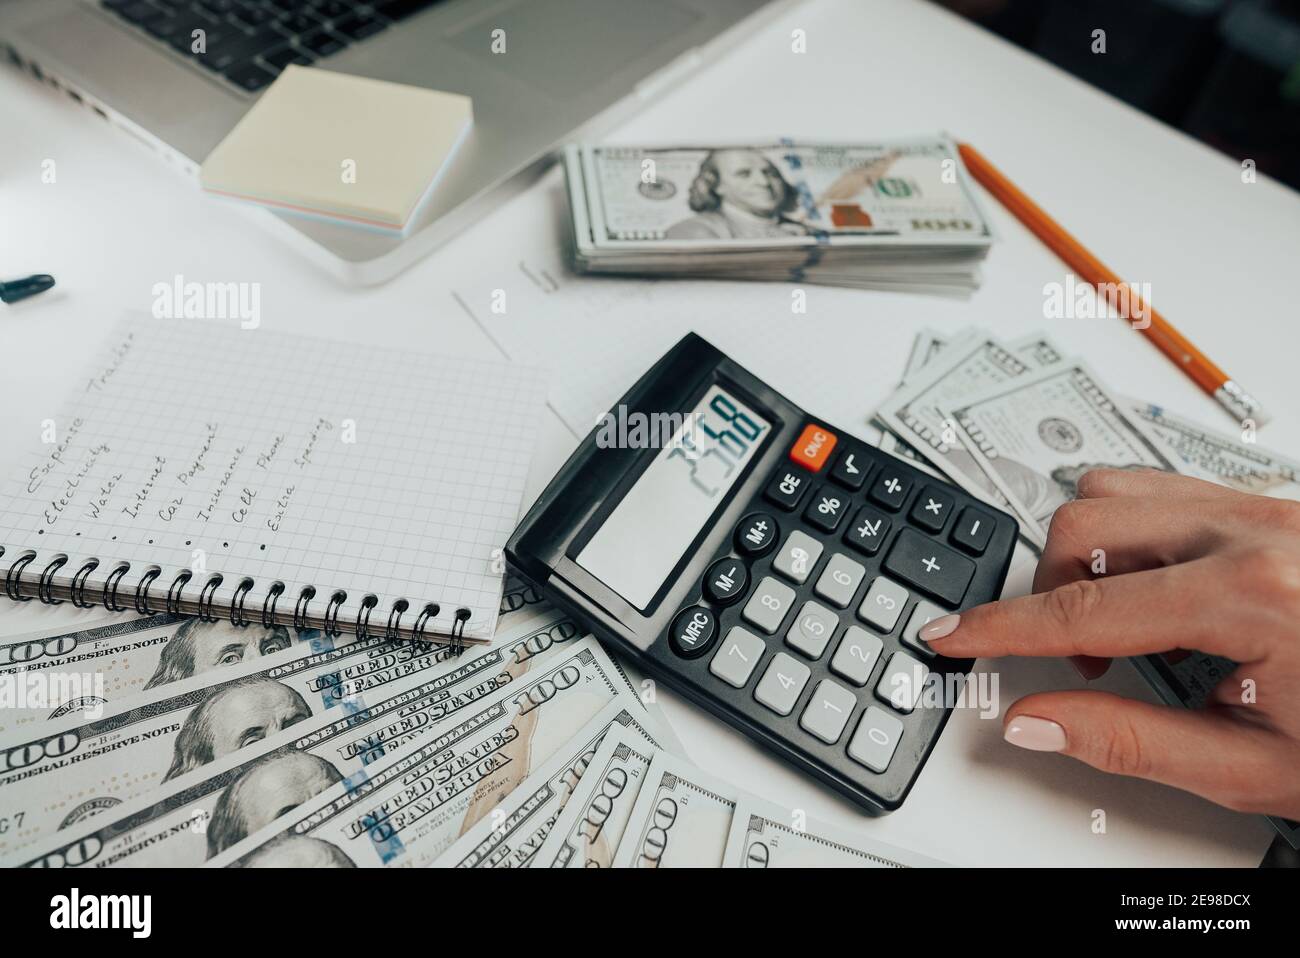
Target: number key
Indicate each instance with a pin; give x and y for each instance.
(857, 655)
(768, 605)
(883, 604)
(840, 579)
(876, 739)
(828, 711)
(797, 557)
(737, 657)
(811, 630)
(827, 508)
(781, 684)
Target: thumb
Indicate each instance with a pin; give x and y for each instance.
(1208, 752)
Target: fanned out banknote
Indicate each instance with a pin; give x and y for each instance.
(411, 806)
(60, 672)
(1035, 435)
(681, 818)
(895, 215)
(588, 830)
(77, 770)
(765, 835)
(514, 833)
(1235, 461)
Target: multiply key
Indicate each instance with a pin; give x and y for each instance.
(920, 561)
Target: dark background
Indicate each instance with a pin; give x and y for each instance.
(1225, 71)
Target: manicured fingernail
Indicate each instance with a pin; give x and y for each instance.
(944, 625)
(1035, 734)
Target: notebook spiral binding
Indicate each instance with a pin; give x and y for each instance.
(53, 590)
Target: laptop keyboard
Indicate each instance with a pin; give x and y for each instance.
(248, 42)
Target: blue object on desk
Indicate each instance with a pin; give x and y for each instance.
(20, 289)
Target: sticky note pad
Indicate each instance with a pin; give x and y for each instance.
(340, 147)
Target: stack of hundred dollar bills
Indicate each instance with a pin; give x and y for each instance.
(1017, 422)
(896, 215)
(176, 742)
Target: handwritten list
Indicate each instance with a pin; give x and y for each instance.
(251, 454)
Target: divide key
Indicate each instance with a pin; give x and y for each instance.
(920, 561)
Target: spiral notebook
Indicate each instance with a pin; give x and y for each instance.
(206, 469)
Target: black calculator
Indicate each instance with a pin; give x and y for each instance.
(769, 567)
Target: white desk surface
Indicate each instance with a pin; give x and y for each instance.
(1221, 257)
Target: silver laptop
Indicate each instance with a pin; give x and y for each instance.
(540, 72)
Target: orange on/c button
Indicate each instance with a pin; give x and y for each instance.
(813, 447)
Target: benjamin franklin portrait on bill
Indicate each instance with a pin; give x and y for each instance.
(738, 194)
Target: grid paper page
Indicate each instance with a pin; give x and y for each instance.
(199, 445)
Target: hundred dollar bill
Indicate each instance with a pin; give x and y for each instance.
(891, 215)
(1036, 434)
(200, 814)
(681, 818)
(925, 346)
(74, 769)
(1237, 464)
(764, 835)
(60, 672)
(411, 806)
(870, 193)
(588, 830)
(513, 834)
(915, 412)
(519, 596)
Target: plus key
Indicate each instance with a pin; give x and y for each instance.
(934, 569)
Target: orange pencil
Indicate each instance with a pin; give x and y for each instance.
(1213, 380)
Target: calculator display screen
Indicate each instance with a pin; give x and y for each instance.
(650, 530)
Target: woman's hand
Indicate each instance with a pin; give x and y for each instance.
(1188, 565)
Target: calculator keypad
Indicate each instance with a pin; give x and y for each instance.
(818, 612)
